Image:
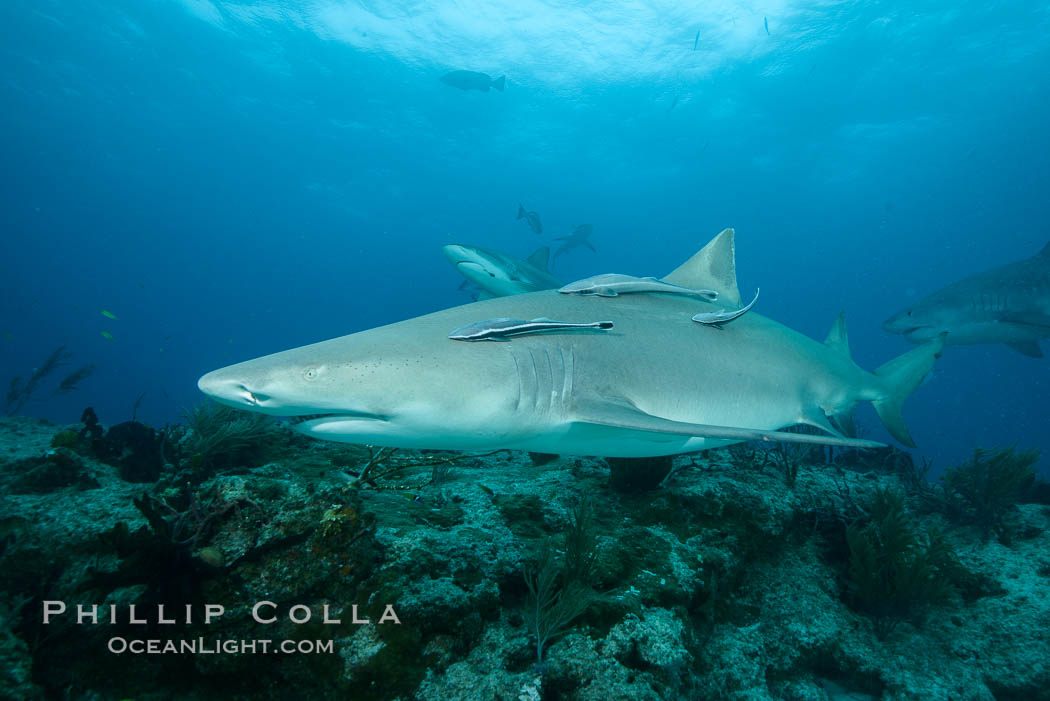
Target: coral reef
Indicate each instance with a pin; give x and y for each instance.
(732, 579)
(985, 490)
(895, 571)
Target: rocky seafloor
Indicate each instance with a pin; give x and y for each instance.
(741, 573)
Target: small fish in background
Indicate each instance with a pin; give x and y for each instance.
(577, 238)
(531, 218)
(73, 379)
(721, 318)
(106, 334)
(697, 40)
(765, 22)
(109, 315)
(673, 105)
(499, 329)
(472, 80)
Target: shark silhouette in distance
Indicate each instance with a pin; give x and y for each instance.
(579, 237)
(499, 274)
(656, 383)
(1009, 304)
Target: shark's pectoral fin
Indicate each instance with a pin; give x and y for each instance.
(1029, 348)
(620, 413)
(1027, 319)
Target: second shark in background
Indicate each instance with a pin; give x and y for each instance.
(500, 274)
(1009, 304)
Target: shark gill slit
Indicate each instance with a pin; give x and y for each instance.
(517, 374)
(548, 398)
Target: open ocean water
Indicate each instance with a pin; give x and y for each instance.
(188, 184)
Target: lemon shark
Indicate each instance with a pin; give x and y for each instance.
(1009, 304)
(656, 383)
(499, 274)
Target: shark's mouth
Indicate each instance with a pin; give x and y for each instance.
(303, 418)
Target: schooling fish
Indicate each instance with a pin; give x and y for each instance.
(697, 40)
(109, 315)
(499, 329)
(765, 21)
(472, 80)
(533, 218)
(720, 318)
(613, 284)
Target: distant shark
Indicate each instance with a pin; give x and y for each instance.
(579, 237)
(655, 384)
(1009, 304)
(499, 274)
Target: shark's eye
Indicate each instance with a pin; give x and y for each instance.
(311, 373)
(492, 274)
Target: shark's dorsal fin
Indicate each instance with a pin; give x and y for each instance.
(837, 339)
(1045, 253)
(713, 267)
(541, 258)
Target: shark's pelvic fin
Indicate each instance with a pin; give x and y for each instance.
(819, 419)
(902, 375)
(541, 258)
(619, 413)
(1029, 348)
(713, 267)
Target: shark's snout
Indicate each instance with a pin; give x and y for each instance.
(455, 253)
(229, 390)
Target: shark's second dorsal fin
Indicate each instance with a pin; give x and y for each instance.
(837, 339)
(713, 267)
(541, 258)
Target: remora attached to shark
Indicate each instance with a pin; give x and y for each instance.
(655, 384)
(1009, 304)
(499, 274)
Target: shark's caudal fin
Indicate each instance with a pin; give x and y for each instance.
(713, 267)
(498, 83)
(541, 258)
(902, 375)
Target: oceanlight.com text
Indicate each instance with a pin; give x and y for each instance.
(216, 646)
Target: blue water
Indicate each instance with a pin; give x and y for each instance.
(232, 181)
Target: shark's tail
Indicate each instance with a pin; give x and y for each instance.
(901, 376)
